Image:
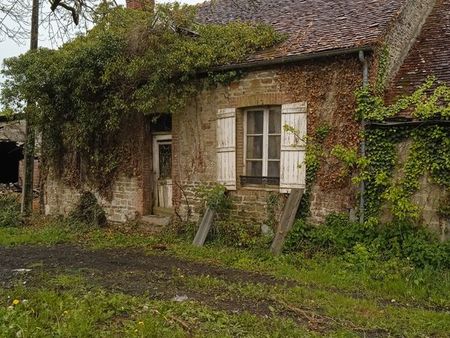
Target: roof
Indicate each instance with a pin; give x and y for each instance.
(13, 131)
(313, 26)
(430, 54)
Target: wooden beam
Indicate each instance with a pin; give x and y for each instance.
(204, 227)
(286, 221)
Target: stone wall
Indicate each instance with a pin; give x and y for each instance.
(429, 197)
(404, 32)
(129, 197)
(326, 85)
(60, 199)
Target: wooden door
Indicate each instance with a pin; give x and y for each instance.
(162, 167)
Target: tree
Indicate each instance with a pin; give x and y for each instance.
(14, 24)
(131, 63)
(57, 17)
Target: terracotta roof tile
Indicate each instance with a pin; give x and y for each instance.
(430, 54)
(312, 25)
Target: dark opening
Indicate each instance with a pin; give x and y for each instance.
(161, 123)
(10, 155)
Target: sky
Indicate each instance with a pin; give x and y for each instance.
(10, 48)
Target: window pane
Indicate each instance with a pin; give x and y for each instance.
(165, 161)
(254, 168)
(275, 121)
(254, 147)
(274, 169)
(255, 121)
(274, 147)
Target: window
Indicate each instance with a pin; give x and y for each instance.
(262, 147)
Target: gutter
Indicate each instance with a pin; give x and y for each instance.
(362, 186)
(293, 58)
(440, 122)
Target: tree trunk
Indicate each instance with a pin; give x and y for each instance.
(27, 188)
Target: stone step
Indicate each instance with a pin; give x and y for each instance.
(157, 220)
(163, 211)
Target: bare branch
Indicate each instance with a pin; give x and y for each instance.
(62, 19)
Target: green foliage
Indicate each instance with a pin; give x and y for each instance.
(429, 101)
(339, 236)
(273, 205)
(132, 62)
(321, 280)
(314, 154)
(383, 63)
(429, 153)
(321, 132)
(51, 232)
(237, 234)
(215, 197)
(9, 210)
(88, 211)
(381, 156)
(349, 157)
(444, 208)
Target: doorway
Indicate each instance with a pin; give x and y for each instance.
(10, 156)
(162, 170)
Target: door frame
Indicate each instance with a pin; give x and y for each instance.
(156, 138)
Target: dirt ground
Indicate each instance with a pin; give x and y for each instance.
(159, 277)
(131, 272)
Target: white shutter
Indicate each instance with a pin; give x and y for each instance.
(293, 147)
(226, 147)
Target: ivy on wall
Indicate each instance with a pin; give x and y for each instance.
(131, 63)
(313, 157)
(428, 151)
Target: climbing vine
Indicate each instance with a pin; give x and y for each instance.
(86, 95)
(389, 181)
(313, 157)
(431, 100)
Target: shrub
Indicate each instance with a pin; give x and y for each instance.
(215, 196)
(9, 210)
(89, 211)
(233, 233)
(359, 243)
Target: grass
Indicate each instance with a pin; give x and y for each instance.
(350, 297)
(80, 311)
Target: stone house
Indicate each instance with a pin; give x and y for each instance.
(233, 134)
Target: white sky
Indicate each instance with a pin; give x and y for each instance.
(9, 48)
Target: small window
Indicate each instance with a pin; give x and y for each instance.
(262, 145)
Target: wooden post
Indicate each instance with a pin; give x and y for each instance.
(204, 227)
(27, 187)
(286, 221)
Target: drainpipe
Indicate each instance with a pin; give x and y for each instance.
(362, 149)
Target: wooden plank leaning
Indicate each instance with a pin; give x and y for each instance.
(204, 227)
(286, 221)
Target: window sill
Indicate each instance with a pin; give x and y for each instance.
(260, 188)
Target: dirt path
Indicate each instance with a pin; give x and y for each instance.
(110, 261)
(156, 276)
(133, 272)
